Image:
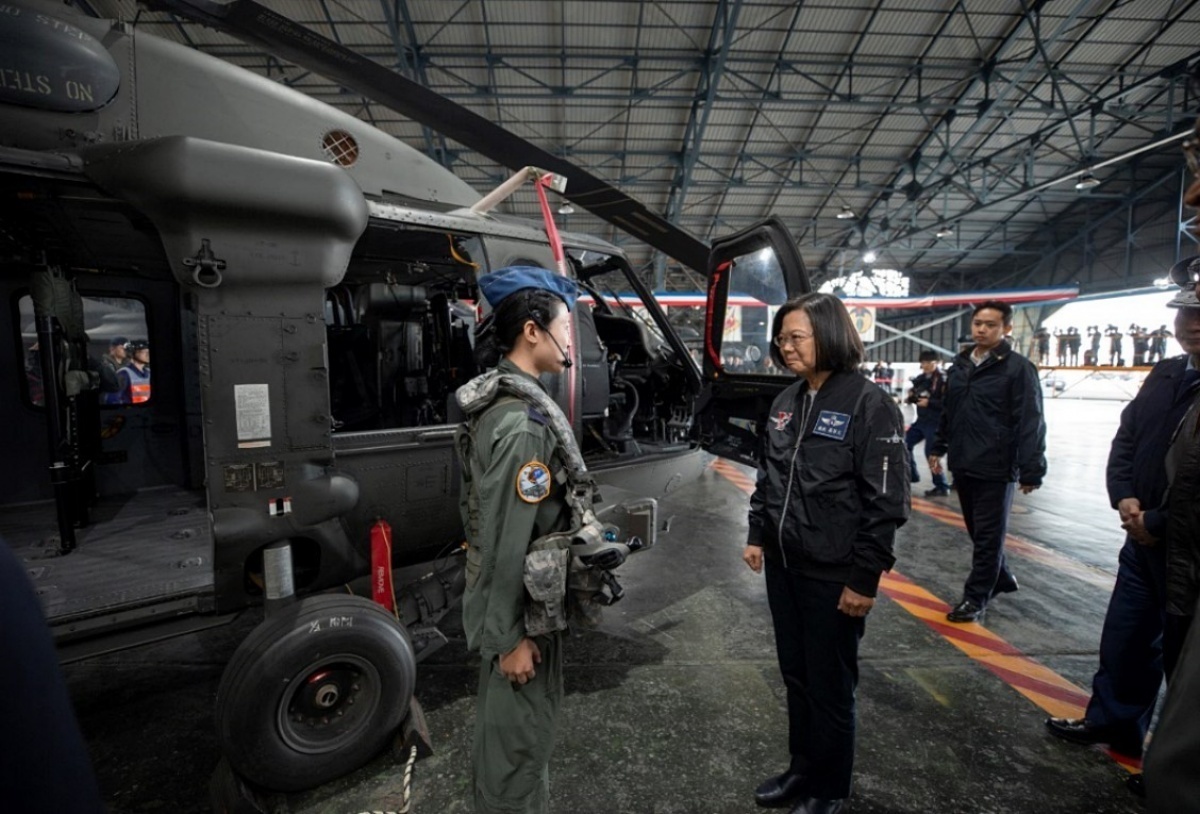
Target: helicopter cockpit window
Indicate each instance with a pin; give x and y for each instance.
(610, 293)
(116, 349)
(756, 290)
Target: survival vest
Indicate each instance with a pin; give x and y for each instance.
(565, 572)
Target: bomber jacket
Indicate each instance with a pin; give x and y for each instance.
(831, 494)
(1139, 447)
(992, 423)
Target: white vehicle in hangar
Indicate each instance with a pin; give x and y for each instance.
(302, 288)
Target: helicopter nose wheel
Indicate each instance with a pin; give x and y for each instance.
(314, 692)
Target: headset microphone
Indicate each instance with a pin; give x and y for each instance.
(566, 360)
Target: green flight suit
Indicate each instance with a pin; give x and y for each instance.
(514, 724)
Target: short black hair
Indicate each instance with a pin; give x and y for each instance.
(929, 356)
(497, 334)
(838, 345)
(995, 305)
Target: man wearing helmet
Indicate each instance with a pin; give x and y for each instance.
(135, 376)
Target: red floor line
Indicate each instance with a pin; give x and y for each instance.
(951, 630)
(1069, 695)
(932, 604)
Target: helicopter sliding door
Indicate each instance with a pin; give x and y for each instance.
(750, 275)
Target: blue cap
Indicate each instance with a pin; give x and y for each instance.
(497, 285)
(118, 340)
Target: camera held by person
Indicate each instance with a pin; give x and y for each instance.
(916, 395)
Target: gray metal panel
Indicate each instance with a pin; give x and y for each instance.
(261, 217)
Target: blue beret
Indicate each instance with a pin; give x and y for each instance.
(497, 285)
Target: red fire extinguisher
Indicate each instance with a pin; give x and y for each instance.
(382, 590)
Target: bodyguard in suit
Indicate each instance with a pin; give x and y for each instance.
(993, 429)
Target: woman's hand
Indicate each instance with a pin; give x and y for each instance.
(517, 664)
(752, 556)
(852, 603)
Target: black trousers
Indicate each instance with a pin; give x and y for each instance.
(985, 506)
(1132, 644)
(817, 647)
(922, 431)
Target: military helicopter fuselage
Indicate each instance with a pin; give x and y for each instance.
(306, 285)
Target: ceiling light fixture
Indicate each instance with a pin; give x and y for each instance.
(869, 256)
(846, 214)
(1087, 181)
(566, 209)
(945, 231)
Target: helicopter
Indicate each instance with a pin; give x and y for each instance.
(304, 288)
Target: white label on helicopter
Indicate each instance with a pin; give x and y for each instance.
(253, 402)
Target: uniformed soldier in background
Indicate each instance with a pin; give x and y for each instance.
(110, 365)
(135, 375)
(511, 498)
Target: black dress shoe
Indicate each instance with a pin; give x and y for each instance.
(780, 790)
(965, 611)
(1006, 586)
(936, 492)
(814, 805)
(1080, 730)
(1136, 783)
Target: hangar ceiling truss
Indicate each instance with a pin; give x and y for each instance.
(953, 131)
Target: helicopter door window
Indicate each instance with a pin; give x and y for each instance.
(756, 290)
(117, 350)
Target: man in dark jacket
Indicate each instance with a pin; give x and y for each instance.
(928, 392)
(1133, 650)
(992, 428)
(1173, 762)
(1182, 501)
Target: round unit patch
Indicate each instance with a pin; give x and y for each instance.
(533, 482)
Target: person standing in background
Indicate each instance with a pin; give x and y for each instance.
(993, 429)
(928, 392)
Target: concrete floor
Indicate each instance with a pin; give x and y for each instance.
(676, 705)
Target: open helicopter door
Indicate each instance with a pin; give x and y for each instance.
(750, 274)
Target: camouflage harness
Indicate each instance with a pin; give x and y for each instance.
(565, 572)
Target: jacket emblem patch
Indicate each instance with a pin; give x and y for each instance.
(832, 425)
(781, 421)
(533, 482)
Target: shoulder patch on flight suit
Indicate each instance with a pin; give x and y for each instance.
(533, 482)
(537, 415)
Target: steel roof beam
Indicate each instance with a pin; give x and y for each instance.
(1041, 137)
(785, 178)
(719, 42)
(942, 26)
(410, 61)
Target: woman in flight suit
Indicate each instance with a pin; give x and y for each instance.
(833, 487)
(509, 499)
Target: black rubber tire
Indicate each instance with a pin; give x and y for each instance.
(314, 692)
